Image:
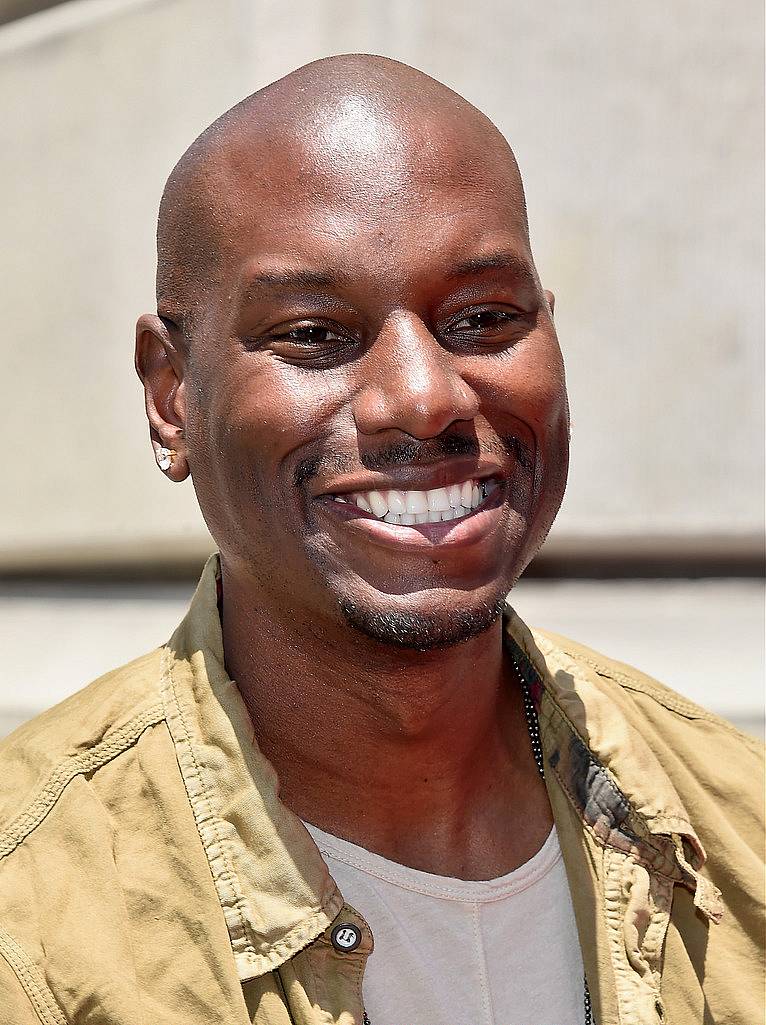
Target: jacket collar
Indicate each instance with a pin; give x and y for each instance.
(595, 750)
(274, 888)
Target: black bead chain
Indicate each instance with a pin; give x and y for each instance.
(533, 728)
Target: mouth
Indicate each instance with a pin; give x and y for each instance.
(451, 517)
(416, 508)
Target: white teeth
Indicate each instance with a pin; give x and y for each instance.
(396, 502)
(433, 506)
(416, 501)
(378, 504)
(438, 499)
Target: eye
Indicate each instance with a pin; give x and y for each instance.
(484, 322)
(309, 335)
(310, 343)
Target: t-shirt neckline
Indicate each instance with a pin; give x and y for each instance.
(475, 891)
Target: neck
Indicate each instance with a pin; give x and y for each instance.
(423, 757)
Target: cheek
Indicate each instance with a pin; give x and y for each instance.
(260, 408)
(260, 416)
(537, 385)
(527, 384)
(540, 390)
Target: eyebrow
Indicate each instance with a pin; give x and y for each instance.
(306, 280)
(494, 261)
(294, 280)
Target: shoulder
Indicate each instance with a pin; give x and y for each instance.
(716, 769)
(77, 735)
(87, 787)
(648, 696)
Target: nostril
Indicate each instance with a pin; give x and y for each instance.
(421, 415)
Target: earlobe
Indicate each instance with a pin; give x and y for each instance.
(160, 364)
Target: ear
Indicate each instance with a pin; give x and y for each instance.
(160, 363)
(551, 299)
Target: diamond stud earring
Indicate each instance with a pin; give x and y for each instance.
(165, 457)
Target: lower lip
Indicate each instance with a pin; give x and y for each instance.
(422, 537)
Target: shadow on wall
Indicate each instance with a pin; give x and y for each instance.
(12, 10)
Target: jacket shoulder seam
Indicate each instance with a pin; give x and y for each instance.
(32, 981)
(75, 765)
(673, 702)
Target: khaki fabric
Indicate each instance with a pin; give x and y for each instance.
(150, 874)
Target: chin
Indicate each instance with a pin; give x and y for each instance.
(422, 629)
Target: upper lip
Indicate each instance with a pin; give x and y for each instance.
(415, 477)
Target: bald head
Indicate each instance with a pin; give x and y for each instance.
(334, 129)
(347, 252)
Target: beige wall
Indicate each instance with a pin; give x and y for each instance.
(639, 132)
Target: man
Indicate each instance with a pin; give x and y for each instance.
(355, 361)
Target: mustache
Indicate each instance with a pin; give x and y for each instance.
(413, 452)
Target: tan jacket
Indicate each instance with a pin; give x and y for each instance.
(149, 873)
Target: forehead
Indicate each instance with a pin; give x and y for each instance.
(363, 185)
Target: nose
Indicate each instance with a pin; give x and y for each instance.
(411, 383)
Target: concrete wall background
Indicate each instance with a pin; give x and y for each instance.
(639, 134)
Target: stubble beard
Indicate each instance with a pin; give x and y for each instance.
(422, 631)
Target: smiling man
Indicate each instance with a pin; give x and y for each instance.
(351, 739)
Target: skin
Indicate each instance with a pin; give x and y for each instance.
(347, 299)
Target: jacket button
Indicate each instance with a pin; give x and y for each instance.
(346, 937)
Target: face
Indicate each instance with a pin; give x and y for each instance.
(374, 408)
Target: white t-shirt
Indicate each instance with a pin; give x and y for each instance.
(454, 952)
